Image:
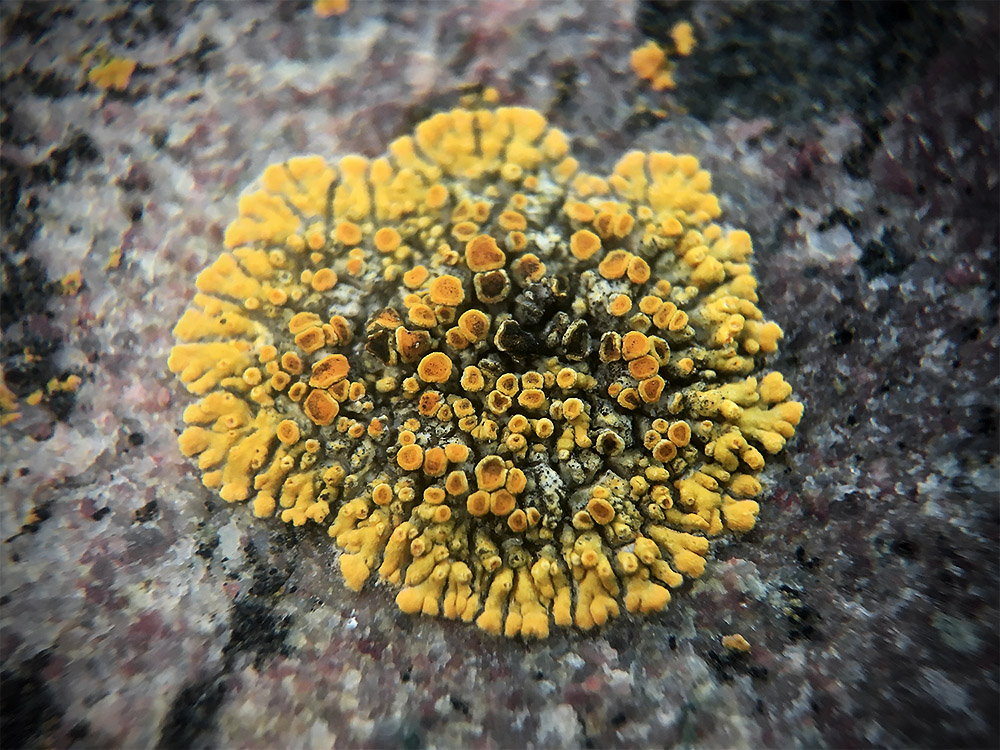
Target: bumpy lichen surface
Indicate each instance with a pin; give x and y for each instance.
(522, 394)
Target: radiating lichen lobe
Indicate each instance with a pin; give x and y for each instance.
(522, 394)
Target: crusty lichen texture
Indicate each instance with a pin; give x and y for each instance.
(524, 395)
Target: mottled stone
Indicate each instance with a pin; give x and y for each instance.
(868, 591)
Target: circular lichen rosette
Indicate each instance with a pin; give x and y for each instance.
(522, 394)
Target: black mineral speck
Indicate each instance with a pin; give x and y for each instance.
(41, 513)
(412, 741)
(857, 160)
(134, 212)
(886, 255)
(159, 138)
(839, 217)
(256, 628)
(79, 147)
(79, 730)
(843, 335)
(148, 512)
(904, 548)
(201, 58)
(207, 548)
(30, 22)
(728, 664)
(26, 290)
(192, 716)
(807, 562)
(61, 404)
(28, 709)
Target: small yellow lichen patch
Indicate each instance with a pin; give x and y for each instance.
(8, 405)
(650, 63)
(328, 8)
(683, 36)
(71, 283)
(69, 385)
(647, 60)
(114, 74)
(736, 642)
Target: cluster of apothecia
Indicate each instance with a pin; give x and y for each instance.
(523, 394)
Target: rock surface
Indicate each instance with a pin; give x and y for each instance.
(857, 144)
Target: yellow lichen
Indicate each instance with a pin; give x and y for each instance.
(327, 8)
(651, 62)
(683, 36)
(9, 408)
(735, 642)
(113, 74)
(71, 284)
(518, 439)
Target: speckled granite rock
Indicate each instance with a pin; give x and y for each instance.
(136, 610)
